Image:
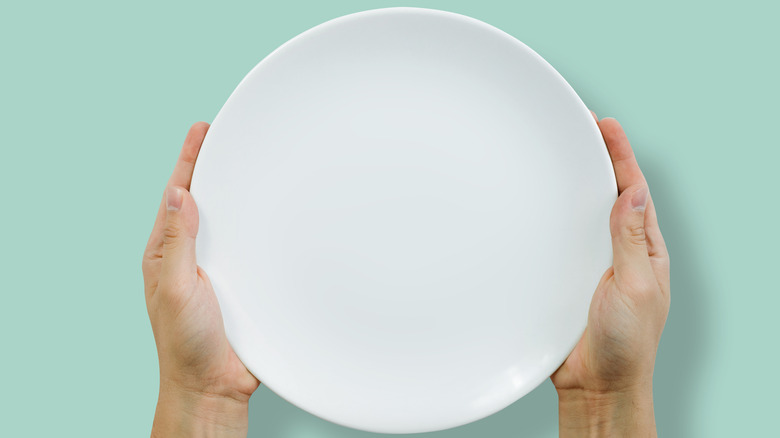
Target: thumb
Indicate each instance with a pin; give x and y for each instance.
(629, 241)
(181, 227)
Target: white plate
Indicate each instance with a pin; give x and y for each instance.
(404, 214)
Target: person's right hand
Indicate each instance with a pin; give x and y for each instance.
(605, 385)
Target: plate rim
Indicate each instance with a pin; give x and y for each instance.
(225, 300)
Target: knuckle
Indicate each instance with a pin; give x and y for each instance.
(150, 255)
(171, 234)
(147, 261)
(635, 234)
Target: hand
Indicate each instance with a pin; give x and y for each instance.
(204, 387)
(605, 385)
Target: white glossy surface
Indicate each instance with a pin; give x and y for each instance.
(404, 214)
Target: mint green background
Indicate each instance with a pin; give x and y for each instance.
(95, 102)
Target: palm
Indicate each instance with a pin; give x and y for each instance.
(194, 336)
(611, 349)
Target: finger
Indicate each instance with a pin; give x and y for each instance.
(592, 113)
(181, 176)
(631, 261)
(627, 172)
(179, 232)
(182, 173)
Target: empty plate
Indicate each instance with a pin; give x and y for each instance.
(404, 214)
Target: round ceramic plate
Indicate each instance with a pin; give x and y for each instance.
(404, 214)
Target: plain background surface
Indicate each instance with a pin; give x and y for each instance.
(96, 100)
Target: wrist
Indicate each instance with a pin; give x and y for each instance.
(601, 413)
(182, 412)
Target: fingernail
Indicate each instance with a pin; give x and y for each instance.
(173, 198)
(639, 200)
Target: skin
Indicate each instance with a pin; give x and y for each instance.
(604, 387)
(204, 387)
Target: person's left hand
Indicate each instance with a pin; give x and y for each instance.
(200, 374)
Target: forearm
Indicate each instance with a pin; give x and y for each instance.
(583, 413)
(183, 414)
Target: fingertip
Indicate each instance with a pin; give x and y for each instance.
(610, 125)
(182, 172)
(200, 127)
(194, 139)
(197, 132)
(197, 129)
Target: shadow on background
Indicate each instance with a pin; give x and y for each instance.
(534, 415)
(681, 353)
